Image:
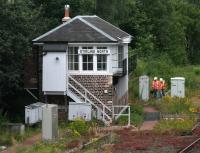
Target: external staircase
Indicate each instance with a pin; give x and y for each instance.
(80, 94)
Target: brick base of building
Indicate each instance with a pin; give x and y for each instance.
(99, 85)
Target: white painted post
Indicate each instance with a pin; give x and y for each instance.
(129, 116)
(85, 96)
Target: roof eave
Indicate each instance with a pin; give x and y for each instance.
(64, 42)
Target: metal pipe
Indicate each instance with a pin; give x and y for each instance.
(31, 94)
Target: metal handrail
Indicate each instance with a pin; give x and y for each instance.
(86, 98)
(120, 113)
(89, 93)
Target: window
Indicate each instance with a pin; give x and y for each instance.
(73, 61)
(87, 47)
(101, 62)
(87, 62)
(120, 56)
(102, 47)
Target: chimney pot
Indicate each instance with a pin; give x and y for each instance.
(66, 15)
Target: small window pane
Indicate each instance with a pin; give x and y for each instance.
(84, 66)
(90, 66)
(76, 66)
(104, 66)
(75, 58)
(84, 58)
(90, 58)
(98, 59)
(98, 66)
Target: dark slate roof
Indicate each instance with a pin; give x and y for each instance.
(83, 29)
(105, 26)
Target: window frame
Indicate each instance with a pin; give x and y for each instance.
(72, 59)
(102, 62)
(120, 56)
(87, 62)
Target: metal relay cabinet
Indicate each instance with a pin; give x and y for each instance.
(49, 122)
(144, 88)
(33, 113)
(82, 110)
(178, 87)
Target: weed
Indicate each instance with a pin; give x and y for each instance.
(175, 126)
(79, 127)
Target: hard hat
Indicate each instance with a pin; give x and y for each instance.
(155, 78)
(161, 79)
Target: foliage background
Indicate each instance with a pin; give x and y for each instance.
(166, 35)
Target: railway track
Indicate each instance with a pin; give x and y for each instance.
(191, 145)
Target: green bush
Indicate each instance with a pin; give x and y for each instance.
(79, 126)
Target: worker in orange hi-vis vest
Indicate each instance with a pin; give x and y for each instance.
(162, 87)
(155, 84)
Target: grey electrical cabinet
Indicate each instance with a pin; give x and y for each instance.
(144, 88)
(178, 87)
(49, 122)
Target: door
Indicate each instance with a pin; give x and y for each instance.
(181, 88)
(54, 73)
(174, 88)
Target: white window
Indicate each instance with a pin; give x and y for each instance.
(120, 56)
(73, 60)
(101, 62)
(87, 62)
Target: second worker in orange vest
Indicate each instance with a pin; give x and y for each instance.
(162, 87)
(155, 86)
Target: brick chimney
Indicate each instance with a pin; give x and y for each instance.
(66, 15)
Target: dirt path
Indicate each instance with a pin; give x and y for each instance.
(148, 125)
(149, 109)
(27, 143)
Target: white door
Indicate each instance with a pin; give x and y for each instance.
(181, 88)
(174, 88)
(54, 72)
